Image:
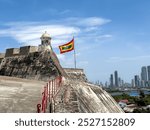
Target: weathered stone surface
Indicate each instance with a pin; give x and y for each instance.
(2, 55)
(19, 95)
(83, 97)
(77, 74)
(12, 52)
(37, 65)
(28, 49)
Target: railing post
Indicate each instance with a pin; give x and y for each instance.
(38, 108)
(52, 88)
(49, 91)
(60, 81)
(43, 102)
(46, 94)
(56, 84)
(51, 107)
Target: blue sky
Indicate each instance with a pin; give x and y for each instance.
(109, 34)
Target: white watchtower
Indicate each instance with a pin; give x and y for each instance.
(45, 42)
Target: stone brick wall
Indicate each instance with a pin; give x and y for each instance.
(77, 70)
(33, 49)
(77, 74)
(2, 55)
(24, 50)
(28, 62)
(28, 49)
(12, 52)
(37, 65)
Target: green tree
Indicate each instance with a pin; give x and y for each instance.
(142, 95)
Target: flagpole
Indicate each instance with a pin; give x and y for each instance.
(74, 55)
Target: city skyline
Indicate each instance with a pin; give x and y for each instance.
(141, 79)
(112, 35)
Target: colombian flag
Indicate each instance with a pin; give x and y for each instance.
(67, 47)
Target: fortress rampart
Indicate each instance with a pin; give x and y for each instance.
(25, 50)
(76, 73)
(2, 55)
(30, 63)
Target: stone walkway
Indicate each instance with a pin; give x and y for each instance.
(19, 95)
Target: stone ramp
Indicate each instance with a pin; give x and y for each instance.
(66, 101)
(83, 97)
(19, 95)
(107, 100)
(92, 101)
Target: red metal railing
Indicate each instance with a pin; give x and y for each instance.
(49, 94)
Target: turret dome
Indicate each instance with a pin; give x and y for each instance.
(45, 35)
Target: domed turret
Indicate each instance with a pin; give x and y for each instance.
(45, 35)
(45, 42)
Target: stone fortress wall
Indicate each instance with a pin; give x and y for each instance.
(12, 52)
(25, 50)
(31, 63)
(2, 55)
(76, 73)
(30, 51)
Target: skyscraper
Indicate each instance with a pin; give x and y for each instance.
(119, 81)
(111, 80)
(143, 76)
(137, 81)
(144, 73)
(148, 71)
(133, 82)
(116, 78)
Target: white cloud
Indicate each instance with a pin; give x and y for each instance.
(61, 31)
(93, 21)
(31, 34)
(89, 29)
(105, 36)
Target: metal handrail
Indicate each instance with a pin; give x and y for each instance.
(49, 94)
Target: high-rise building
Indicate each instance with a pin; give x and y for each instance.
(111, 80)
(106, 84)
(143, 76)
(144, 73)
(148, 71)
(122, 83)
(143, 83)
(119, 82)
(137, 81)
(133, 83)
(116, 78)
